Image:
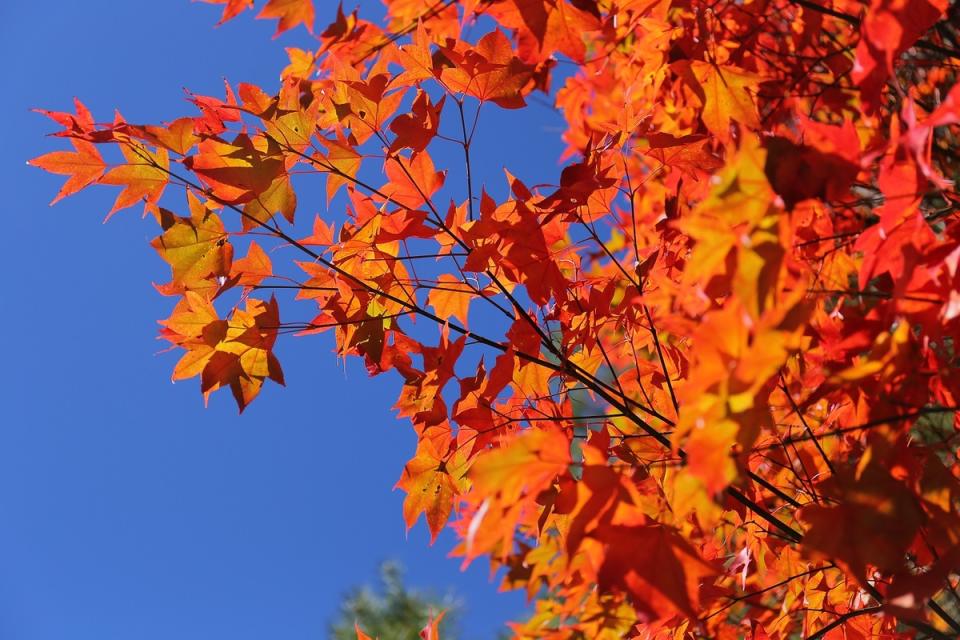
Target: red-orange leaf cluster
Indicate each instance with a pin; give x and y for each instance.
(703, 385)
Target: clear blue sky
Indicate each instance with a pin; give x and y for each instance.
(127, 510)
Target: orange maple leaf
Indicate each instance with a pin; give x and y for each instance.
(290, 13)
(84, 166)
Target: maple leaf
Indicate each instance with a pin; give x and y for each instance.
(660, 571)
(279, 197)
(367, 335)
(726, 95)
(889, 29)
(80, 124)
(294, 129)
(688, 153)
(889, 350)
(290, 13)
(416, 129)
(322, 234)
(178, 136)
(232, 9)
(244, 359)
(432, 480)
(84, 166)
(488, 71)
(526, 464)
(415, 59)
(252, 269)
(443, 19)
(828, 175)
(872, 525)
(216, 114)
(364, 106)
(342, 163)
(708, 449)
(360, 634)
(237, 172)
(197, 249)
(432, 629)
(143, 178)
(301, 63)
(451, 298)
(235, 352)
(545, 28)
(411, 181)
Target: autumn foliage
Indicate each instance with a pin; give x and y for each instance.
(704, 385)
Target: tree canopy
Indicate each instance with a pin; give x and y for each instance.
(702, 385)
(392, 611)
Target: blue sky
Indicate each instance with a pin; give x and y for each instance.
(127, 509)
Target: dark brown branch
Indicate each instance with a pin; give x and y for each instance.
(840, 431)
(853, 21)
(758, 592)
(803, 421)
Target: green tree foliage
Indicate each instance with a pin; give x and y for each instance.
(393, 612)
